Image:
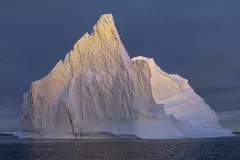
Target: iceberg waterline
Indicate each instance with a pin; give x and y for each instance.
(97, 88)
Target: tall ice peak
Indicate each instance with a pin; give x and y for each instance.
(106, 18)
(103, 30)
(105, 25)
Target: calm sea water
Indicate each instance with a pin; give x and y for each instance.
(191, 149)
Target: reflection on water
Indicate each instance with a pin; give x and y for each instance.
(219, 148)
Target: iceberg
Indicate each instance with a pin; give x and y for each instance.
(98, 91)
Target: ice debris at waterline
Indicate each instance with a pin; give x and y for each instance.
(98, 89)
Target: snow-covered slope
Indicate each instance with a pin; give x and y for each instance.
(98, 88)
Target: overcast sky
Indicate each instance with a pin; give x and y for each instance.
(200, 40)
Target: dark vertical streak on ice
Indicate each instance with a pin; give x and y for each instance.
(70, 119)
(81, 96)
(71, 123)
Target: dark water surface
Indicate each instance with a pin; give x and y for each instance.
(216, 148)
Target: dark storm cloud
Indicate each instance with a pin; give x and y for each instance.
(197, 39)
